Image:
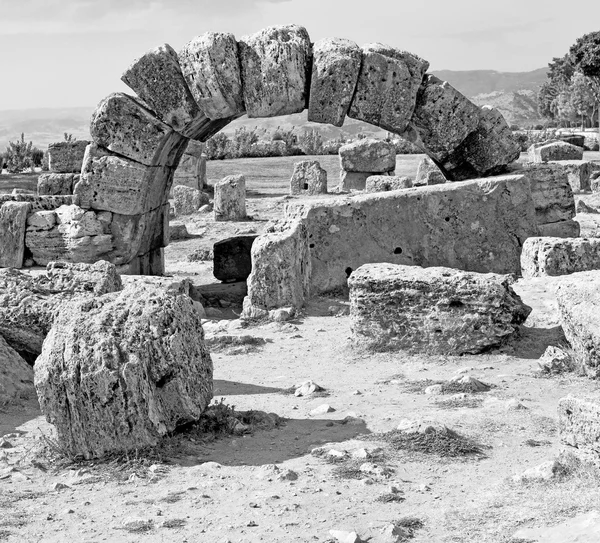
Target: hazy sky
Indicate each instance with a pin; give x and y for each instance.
(63, 53)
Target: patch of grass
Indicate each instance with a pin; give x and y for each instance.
(235, 344)
(349, 471)
(5, 534)
(460, 403)
(390, 497)
(200, 255)
(174, 523)
(411, 524)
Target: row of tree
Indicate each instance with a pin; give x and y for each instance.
(572, 91)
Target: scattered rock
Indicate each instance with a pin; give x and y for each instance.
(555, 360)
(16, 376)
(322, 410)
(177, 231)
(345, 537)
(307, 388)
(583, 528)
(582, 207)
(544, 472)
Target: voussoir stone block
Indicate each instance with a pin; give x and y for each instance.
(579, 425)
(386, 91)
(335, 69)
(368, 155)
(230, 199)
(16, 376)
(578, 299)
(13, 221)
(559, 256)
(157, 79)
(232, 259)
(275, 67)
(308, 178)
(385, 183)
(66, 156)
(120, 371)
(50, 184)
(28, 303)
(211, 68)
(439, 310)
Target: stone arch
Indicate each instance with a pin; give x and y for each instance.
(214, 79)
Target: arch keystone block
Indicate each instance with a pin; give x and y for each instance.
(275, 64)
(387, 87)
(157, 79)
(335, 69)
(211, 68)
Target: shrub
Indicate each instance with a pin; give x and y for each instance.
(18, 156)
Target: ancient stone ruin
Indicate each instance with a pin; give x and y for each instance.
(308, 178)
(362, 159)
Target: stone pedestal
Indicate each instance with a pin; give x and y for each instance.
(308, 178)
(230, 199)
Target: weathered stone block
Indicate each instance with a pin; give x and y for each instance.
(428, 173)
(275, 64)
(385, 183)
(555, 150)
(578, 299)
(579, 425)
(356, 180)
(559, 256)
(308, 178)
(582, 207)
(29, 303)
(177, 231)
(39, 203)
(386, 91)
(230, 199)
(560, 229)
(232, 258)
(281, 268)
(66, 156)
(439, 310)
(211, 68)
(13, 220)
(50, 184)
(477, 225)
(187, 201)
(16, 376)
(368, 155)
(122, 387)
(335, 69)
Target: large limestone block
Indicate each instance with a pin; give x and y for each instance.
(13, 221)
(551, 191)
(211, 67)
(124, 126)
(308, 178)
(442, 120)
(230, 199)
(50, 184)
(579, 425)
(555, 150)
(387, 87)
(120, 371)
(560, 229)
(191, 170)
(578, 173)
(39, 203)
(187, 200)
(368, 155)
(386, 183)
(559, 256)
(281, 268)
(275, 67)
(428, 173)
(16, 376)
(232, 260)
(151, 263)
(477, 225)
(116, 184)
(438, 310)
(66, 156)
(579, 308)
(335, 69)
(28, 303)
(356, 180)
(157, 79)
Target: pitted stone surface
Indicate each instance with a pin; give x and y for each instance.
(66, 156)
(187, 200)
(357, 180)
(39, 203)
(122, 370)
(478, 225)
(308, 178)
(559, 256)
(579, 425)
(387, 87)
(439, 310)
(335, 69)
(579, 306)
(13, 220)
(385, 183)
(275, 66)
(54, 184)
(368, 155)
(157, 79)
(28, 303)
(16, 376)
(230, 199)
(555, 150)
(578, 173)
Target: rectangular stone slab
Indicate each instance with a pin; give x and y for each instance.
(476, 225)
(432, 310)
(545, 256)
(13, 221)
(66, 156)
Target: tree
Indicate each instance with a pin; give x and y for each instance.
(546, 95)
(582, 96)
(19, 155)
(585, 55)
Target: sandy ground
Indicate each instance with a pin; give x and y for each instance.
(268, 485)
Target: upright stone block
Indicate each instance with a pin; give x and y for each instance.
(232, 259)
(578, 173)
(13, 221)
(335, 69)
(230, 199)
(66, 156)
(579, 426)
(368, 155)
(188, 200)
(308, 178)
(51, 184)
(275, 65)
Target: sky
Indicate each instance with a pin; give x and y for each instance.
(71, 53)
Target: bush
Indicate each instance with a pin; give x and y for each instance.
(18, 156)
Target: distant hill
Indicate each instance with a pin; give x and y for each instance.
(513, 93)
